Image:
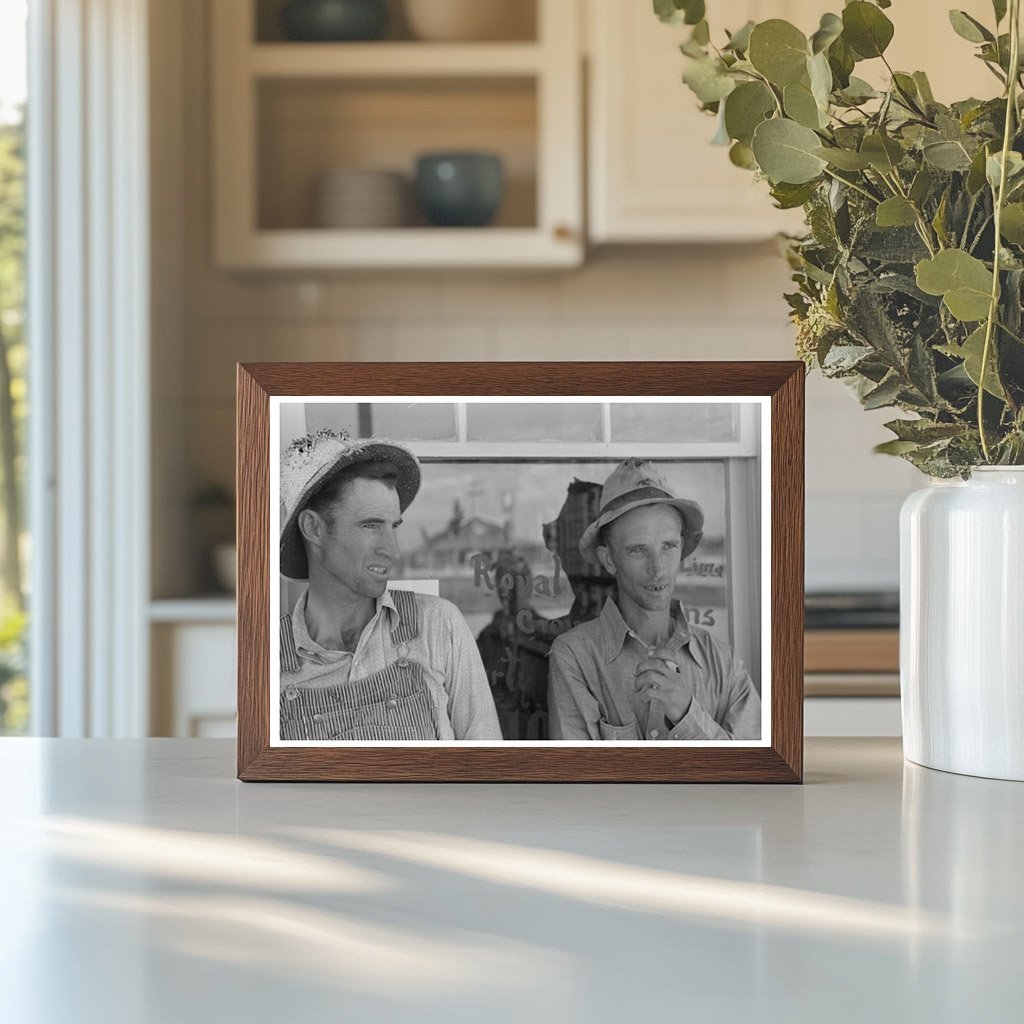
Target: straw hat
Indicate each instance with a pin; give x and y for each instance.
(634, 484)
(312, 461)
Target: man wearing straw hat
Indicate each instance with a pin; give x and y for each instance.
(639, 671)
(359, 661)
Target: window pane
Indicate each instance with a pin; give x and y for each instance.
(14, 547)
(401, 421)
(671, 421)
(533, 421)
(414, 421)
(332, 416)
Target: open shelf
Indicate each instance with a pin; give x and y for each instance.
(308, 127)
(518, 18)
(406, 248)
(393, 60)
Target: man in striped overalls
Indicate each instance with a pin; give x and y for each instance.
(360, 661)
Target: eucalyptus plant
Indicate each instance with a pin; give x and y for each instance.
(910, 278)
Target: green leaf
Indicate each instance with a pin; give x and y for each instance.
(939, 220)
(778, 50)
(745, 108)
(739, 41)
(820, 75)
(896, 212)
(844, 159)
(968, 28)
(885, 394)
(924, 88)
(830, 28)
(994, 167)
(1011, 226)
(789, 197)
(971, 352)
(895, 447)
(976, 175)
(921, 186)
(785, 152)
(800, 105)
(742, 155)
(859, 91)
(963, 281)
(946, 156)
(866, 29)
(694, 11)
(841, 60)
(676, 12)
(906, 88)
(883, 153)
(923, 431)
(707, 80)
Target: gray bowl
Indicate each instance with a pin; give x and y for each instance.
(460, 189)
(334, 20)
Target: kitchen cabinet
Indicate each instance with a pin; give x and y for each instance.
(287, 113)
(193, 673)
(653, 175)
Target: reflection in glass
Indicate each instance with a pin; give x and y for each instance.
(533, 421)
(670, 421)
(414, 421)
(332, 416)
(401, 421)
(464, 509)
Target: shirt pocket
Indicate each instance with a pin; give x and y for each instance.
(628, 731)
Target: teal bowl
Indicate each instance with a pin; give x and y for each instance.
(460, 189)
(333, 21)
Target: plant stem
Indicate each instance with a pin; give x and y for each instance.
(855, 187)
(1012, 334)
(993, 309)
(981, 231)
(922, 225)
(771, 90)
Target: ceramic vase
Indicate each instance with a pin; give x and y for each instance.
(962, 624)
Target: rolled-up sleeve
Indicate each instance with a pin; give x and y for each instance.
(470, 704)
(741, 719)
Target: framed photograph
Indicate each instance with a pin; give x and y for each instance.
(520, 572)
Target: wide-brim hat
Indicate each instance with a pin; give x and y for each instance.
(311, 462)
(633, 484)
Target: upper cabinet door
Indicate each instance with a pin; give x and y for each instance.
(653, 174)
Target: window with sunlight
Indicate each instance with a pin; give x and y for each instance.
(14, 553)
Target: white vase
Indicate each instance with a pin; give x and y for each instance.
(962, 624)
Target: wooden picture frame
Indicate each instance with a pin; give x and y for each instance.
(779, 386)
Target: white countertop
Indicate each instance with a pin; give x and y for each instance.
(143, 884)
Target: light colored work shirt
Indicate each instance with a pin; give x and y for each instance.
(592, 691)
(444, 646)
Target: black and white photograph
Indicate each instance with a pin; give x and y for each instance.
(554, 571)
